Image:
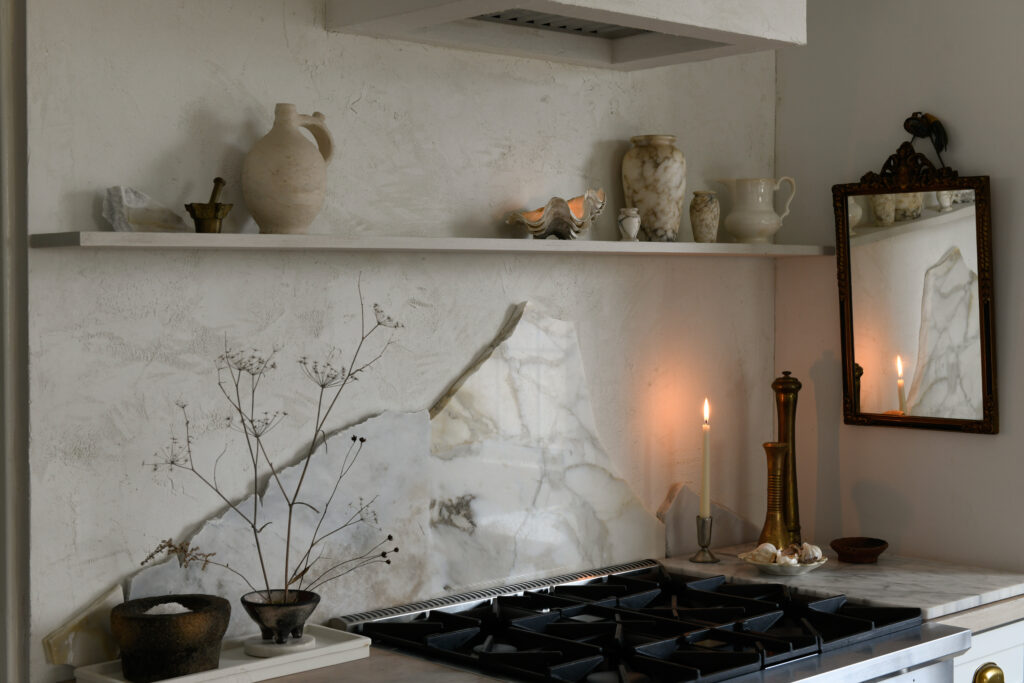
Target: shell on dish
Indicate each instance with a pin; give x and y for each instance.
(565, 219)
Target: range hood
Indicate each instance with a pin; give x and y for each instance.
(625, 35)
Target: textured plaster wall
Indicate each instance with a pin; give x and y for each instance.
(165, 95)
(842, 101)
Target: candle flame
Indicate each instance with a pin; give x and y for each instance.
(707, 411)
(899, 367)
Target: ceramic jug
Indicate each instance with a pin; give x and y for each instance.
(753, 218)
(284, 176)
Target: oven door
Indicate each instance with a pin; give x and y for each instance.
(922, 654)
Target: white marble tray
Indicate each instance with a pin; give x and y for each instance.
(332, 647)
(937, 588)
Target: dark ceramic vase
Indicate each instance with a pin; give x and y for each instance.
(277, 619)
(159, 646)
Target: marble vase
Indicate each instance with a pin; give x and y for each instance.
(854, 212)
(704, 214)
(908, 206)
(884, 208)
(284, 176)
(654, 181)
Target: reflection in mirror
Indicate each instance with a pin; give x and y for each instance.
(914, 276)
(915, 287)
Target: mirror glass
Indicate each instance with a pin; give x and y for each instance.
(915, 298)
(914, 283)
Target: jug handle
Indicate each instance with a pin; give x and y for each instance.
(792, 194)
(315, 125)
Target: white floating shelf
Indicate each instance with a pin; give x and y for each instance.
(479, 245)
(930, 219)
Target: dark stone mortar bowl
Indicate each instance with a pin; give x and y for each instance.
(280, 620)
(159, 646)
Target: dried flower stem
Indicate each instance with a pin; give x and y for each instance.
(239, 375)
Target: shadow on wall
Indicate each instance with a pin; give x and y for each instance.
(605, 161)
(882, 511)
(826, 376)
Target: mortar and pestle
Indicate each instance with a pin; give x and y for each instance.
(208, 216)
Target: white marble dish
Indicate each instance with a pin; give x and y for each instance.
(783, 569)
(332, 647)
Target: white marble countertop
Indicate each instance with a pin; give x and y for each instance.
(937, 588)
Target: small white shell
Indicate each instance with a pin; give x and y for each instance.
(809, 553)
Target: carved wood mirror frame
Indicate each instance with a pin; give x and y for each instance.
(909, 171)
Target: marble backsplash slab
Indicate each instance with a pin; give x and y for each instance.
(507, 482)
(947, 379)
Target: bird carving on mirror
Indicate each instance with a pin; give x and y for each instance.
(921, 125)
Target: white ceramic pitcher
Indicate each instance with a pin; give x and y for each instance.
(753, 218)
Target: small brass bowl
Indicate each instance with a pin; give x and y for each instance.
(859, 549)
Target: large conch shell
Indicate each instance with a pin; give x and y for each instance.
(563, 219)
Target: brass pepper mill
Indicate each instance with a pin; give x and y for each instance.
(786, 388)
(774, 530)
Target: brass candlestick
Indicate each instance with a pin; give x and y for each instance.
(786, 389)
(704, 555)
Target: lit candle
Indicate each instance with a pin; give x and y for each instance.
(705, 483)
(899, 385)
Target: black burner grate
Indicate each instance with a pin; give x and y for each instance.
(640, 627)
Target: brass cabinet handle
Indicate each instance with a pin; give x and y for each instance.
(989, 672)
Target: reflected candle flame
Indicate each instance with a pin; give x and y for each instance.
(901, 394)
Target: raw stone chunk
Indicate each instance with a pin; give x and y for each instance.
(130, 210)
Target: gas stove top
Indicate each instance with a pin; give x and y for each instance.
(636, 625)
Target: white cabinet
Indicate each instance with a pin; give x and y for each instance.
(997, 636)
(616, 34)
(1003, 646)
(939, 672)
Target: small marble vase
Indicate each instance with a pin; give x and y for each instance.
(945, 200)
(704, 214)
(284, 176)
(654, 181)
(884, 208)
(629, 224)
